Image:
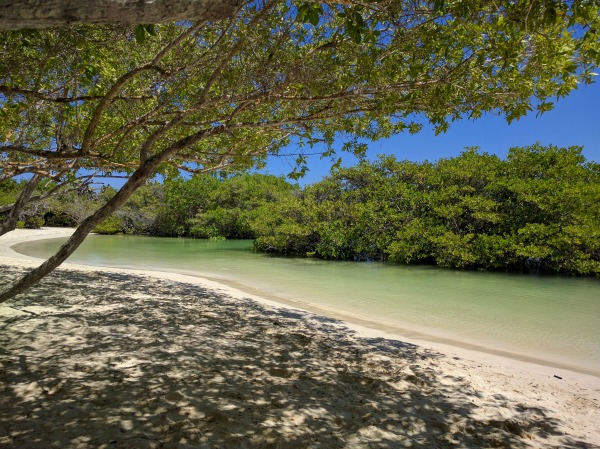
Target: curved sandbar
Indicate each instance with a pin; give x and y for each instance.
(507, 399)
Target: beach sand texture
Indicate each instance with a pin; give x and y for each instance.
(107, 358)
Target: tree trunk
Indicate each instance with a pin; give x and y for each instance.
(10, 223)
(39, 14)
(136, 180)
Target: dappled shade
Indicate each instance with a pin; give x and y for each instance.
(131, 366)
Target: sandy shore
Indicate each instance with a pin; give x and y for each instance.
(110, 358)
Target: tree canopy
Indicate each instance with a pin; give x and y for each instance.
(201, 96)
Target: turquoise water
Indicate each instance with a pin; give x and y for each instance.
(554, 319)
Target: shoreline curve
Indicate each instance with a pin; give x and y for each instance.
(359, 323)
(305, 354)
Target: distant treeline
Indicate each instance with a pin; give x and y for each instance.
(203, 206)
(536, 210)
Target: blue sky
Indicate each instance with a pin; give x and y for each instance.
(575, 120)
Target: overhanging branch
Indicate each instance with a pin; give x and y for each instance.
(41, 14)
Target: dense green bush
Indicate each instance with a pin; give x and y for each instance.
(34, 222)
(59, 220)
(230, 207)
(112, 225)
(539, 209)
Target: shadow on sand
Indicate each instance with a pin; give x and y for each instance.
(119, 361)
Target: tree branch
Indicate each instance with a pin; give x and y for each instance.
(40, 14)
(8, 91)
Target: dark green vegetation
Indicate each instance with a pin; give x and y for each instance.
(538, 209)
(205, 206)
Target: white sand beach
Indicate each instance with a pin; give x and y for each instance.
(111, 358)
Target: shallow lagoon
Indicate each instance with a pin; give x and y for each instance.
(553, 319)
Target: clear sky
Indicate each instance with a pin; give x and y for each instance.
(575, 120)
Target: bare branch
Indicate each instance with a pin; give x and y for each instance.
(57, 189)
(10, 222)
(9, 91)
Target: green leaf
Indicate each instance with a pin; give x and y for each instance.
(550, 15)
(150, 29)
(141, 30)
(140, 34)
(309, 13)
(438, 5)
(313, 17)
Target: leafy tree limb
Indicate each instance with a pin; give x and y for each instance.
(229, 92)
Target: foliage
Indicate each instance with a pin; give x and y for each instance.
(112, 225)
(138, 216)
(537, 210)
(9, 191)
(70, 207)
(183, 199)
(32, 215)
(232, 208)
(203, 206)
(201, 96)
(34, 223)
